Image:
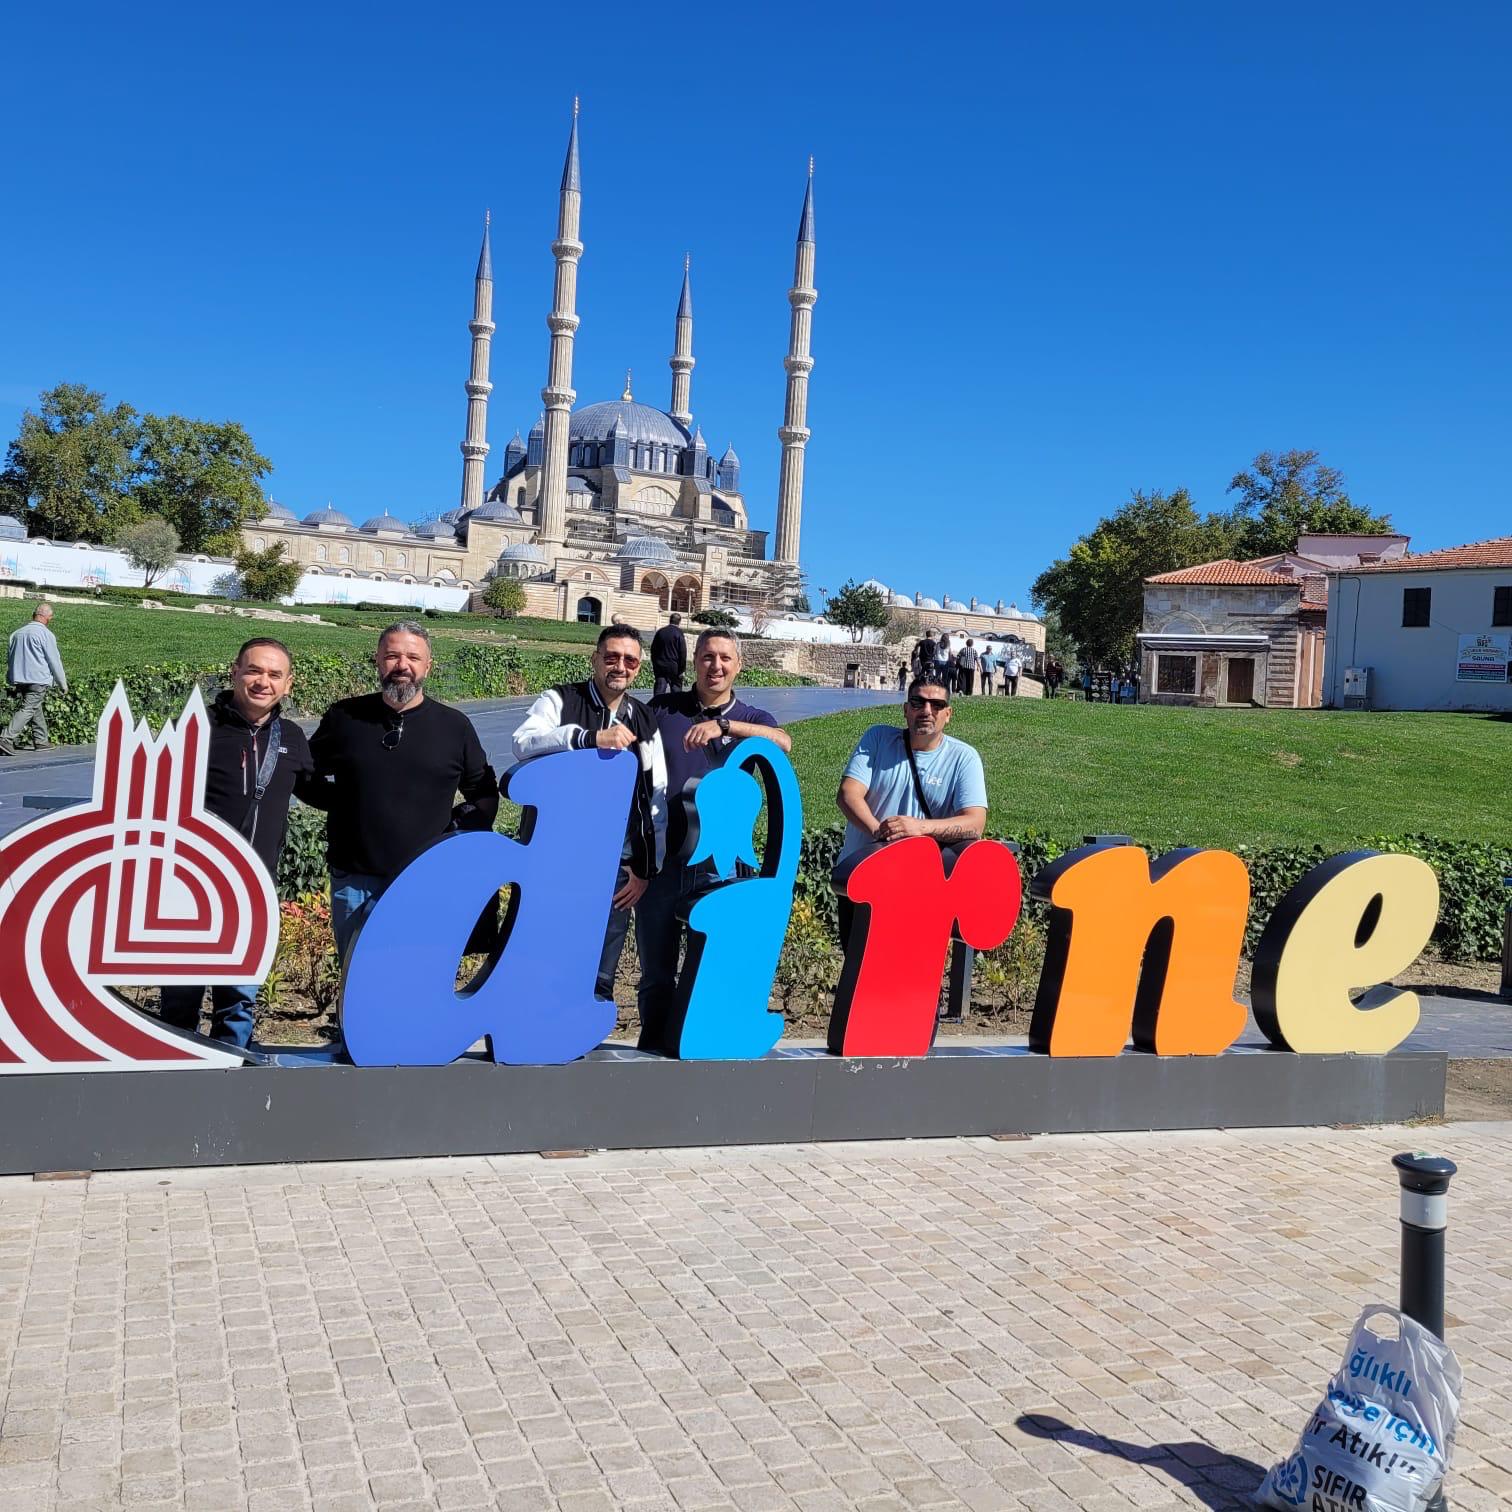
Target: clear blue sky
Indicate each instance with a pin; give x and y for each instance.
(1065, 250)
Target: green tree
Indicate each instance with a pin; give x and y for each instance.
(857, 608)
(1284, 494)
(68, 474)
(1057, 643)
(1097, 589)
(265, 575)
(716, 619)
(505, 596)
(151, 546)
(203, 477)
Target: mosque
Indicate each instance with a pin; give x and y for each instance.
(611, 510)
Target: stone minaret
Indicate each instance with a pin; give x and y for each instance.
(475, 447)
(681, 360)
(794, 433)
(562, 322)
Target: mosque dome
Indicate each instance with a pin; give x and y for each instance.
(595, 422)
(277, 511)
(11, 529)
(901, 601)
(926, 603)
(434, 530)
(385, 521)
(954, 604)
(881, 588)
(453, 516)
(496, 512)
(646, 549)
(328, 516)
(525, 551)
(577, 485)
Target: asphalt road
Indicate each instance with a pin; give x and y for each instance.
(65, 772)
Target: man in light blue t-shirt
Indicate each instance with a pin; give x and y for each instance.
(881, 800)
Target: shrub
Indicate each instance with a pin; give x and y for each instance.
(505, 597)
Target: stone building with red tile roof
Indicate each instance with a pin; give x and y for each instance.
(1430, 631)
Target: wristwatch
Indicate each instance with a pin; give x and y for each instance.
(724, 726)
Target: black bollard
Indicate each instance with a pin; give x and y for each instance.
(1425, 1214)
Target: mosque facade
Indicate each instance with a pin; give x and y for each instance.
(608, 510)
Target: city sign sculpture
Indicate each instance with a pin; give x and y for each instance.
(140, 885)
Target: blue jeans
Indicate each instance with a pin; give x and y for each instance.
(231, 1011)
(352, 899)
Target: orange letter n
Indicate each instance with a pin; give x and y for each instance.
(1152, 947)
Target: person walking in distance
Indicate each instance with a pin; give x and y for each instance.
(601, 714)
(669, 656)
(394, 762)
(1013, 667)
(33, 668)
(967, 661)
(257, 760)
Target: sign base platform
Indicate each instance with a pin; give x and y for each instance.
(618, 1098)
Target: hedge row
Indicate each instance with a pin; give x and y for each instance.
(463, 670)
(1471, 887)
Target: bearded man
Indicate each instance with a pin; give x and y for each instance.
(394, 764)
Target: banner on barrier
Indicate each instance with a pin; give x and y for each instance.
(141, 885)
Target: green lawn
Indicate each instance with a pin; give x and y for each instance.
(1209, 777)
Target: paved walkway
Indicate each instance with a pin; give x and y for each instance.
(1095, 1323)
(66, 771)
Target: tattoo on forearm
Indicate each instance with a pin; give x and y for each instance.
(950, 833)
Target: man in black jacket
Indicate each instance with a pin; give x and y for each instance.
(600, 713)
(669, 656)
(256, 761)
(393, 763)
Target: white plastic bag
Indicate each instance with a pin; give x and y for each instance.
(1380, 1439)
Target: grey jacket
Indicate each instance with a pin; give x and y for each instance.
(32, 657)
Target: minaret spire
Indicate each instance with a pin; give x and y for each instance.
(681, 360)
(475, 447)
(794, 432)
(562, 322)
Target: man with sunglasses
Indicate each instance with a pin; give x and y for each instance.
(600, 714)
(393, 764)
(913, 781)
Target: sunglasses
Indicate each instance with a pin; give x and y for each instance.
(391, 738)
(916, 702)
(613, 658)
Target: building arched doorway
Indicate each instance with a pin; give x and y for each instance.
(589, 611)
(655, 582)
(685, 595)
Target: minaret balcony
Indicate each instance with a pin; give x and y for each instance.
(566, 251)
(803, 298)
(558, 398)
(793, 435)
(481, 327)
(803, 365)
(478, 390)
(562, 323)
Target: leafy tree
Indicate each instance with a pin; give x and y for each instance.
(1097, 590)
(505, 596)
(1284, 494)
(203, 477)
(857, 608)
(151, 546)
(716, 619)
(68, 473)
(1057, 643)
(265, 575)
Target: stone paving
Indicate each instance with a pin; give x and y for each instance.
(1095, 1322)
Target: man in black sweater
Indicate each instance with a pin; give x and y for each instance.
(256, 761)
(669, 656)
(393, 763)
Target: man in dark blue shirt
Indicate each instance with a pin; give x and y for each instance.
(698, 729)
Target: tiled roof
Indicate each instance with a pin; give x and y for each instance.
(1496, 552)
(1226, 573)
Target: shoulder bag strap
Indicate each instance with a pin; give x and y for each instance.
(913, 766)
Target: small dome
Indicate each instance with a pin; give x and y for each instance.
(926, 603)
(452, 517)
(645, 549)
(277, 511)
(576, 485)
(11, 529)
(881, 588)
(902, 601)
(526, 551)
(434, 530)
(328, 516)
(496, 512)
(386, 521)
(954, 604)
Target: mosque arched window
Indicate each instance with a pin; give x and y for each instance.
(378, 557)
(320, 553)
(399, 559)
(344, 554)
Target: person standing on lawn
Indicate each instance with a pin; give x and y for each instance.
(393, 764)
(256, 762)
(601, 714)
(669, 656)
(32, 667)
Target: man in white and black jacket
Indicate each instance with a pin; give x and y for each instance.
(601, 714)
